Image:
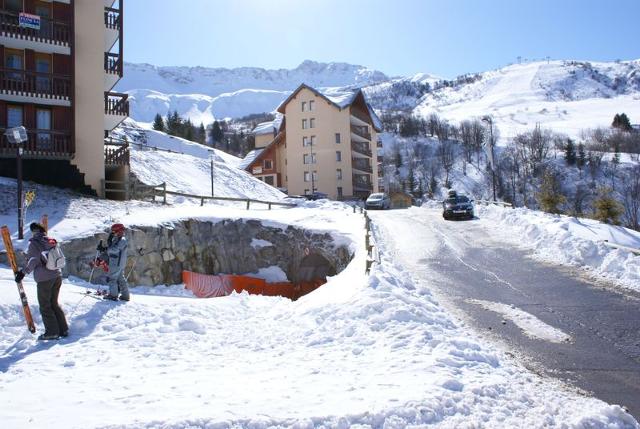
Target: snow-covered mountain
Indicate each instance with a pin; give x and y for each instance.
(203, 94)
(566, 96)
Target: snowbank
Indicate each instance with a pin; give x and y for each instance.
(568, 240)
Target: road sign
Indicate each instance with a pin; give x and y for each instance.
(16, 135)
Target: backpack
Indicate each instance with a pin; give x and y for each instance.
(54, 257)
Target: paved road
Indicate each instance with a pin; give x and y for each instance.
(463, 261)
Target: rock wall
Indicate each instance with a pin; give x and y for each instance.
(228, 246)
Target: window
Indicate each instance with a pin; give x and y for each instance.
(14, 116)
(268, 180)
(338, 156)
(305, 141)
(43, 65)
(307, 177)
(339, 191)
(304, 124)
(13, 5)
(311, 103)
(312, 123)
(309, 158)
(43, 122)
(268, 164)
(304, 106)
(339, 173)
(338, 138)
(315, 176)
(14, 59)
(313, 140)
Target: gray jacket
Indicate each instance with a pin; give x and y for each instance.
(117, 252)
(36, 261)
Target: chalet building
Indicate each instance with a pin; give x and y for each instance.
(323, 143)
(61, 61)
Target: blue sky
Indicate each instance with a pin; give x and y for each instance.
(397, 37)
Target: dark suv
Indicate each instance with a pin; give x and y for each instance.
(457, 206)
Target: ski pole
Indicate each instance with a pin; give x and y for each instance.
(134, 263)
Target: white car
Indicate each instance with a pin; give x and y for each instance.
(378, 201)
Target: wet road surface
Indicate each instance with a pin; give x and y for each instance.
(464, 261)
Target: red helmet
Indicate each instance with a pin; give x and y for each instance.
(117, 228)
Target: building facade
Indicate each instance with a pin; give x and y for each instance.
(323, 143)
(61, 61)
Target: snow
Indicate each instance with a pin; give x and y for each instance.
(273, 274)
(564, 96)
(257, 243)
(530, 325)
(568, 240)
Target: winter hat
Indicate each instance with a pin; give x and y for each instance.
(35, 226)
(117, 228)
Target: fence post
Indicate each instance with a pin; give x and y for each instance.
(164, 192)
(201, 201)
(269, 206)
(248, 203)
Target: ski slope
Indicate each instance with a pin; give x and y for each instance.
(556, 95)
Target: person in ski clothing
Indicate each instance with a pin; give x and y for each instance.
(48, 283)
(116, 250)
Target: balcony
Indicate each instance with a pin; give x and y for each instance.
(360, 117)
(113, 25)
(116, 155)
(52, 37)
(45, 144)
(116, 109)
(361, 148)
(30, 86)
(362, 183)
(362, 132)
(361, 164)
(113, 69)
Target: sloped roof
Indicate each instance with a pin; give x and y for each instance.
(270, 127)
(260, 152)
(251, 156)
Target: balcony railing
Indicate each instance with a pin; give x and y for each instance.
(112, 18)
(361, 164)
(361, 131)
(51, 31)
(116, 155)
(361, 148)
(360, 115)
(113, 63)
(24, 82)
(362, 184)
(42, 144)
(116, 104)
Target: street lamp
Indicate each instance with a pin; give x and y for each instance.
(212, 175)
(489, 121)
(17, 136)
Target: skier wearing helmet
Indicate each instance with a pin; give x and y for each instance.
(116, 250)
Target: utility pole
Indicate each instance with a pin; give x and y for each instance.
(488, 120)
(212, 175)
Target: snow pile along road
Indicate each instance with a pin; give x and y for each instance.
(568, 240)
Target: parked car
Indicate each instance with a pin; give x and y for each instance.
(378, 200)
(457, 206)
(316, 196)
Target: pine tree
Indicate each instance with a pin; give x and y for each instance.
(202, 134)
(550, 195)
(188, 130)
(570, 152)
(216, 133)
(158, 123)
(621, 121)
(607, 209)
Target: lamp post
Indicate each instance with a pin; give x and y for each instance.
(212, 175)
(17, 136)
(489, 121)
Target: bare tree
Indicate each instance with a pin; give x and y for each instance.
(433, 122)
(477, 137)
(446, 154)
(631, 197)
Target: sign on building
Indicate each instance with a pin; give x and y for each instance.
(257, 170)
(27, 20)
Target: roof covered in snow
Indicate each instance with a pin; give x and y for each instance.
(251, 156)
(269, 127)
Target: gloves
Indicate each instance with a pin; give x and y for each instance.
(19, 276)
(100, 247)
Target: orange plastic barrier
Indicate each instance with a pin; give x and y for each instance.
(209, 286)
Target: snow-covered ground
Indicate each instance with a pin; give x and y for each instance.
(568, 240)
(361, 351)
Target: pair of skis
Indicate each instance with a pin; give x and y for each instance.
(11, 256)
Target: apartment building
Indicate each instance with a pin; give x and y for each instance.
(61, 61)
(322, 143)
